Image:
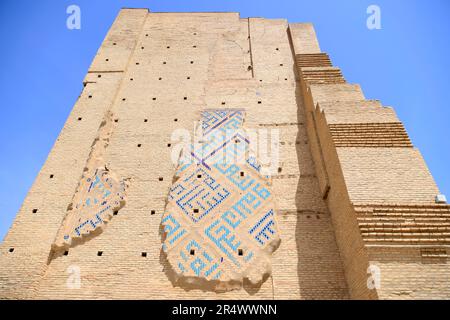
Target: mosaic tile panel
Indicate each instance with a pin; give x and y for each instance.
(220, 223)
(99, 196)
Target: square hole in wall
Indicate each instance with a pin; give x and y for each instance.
(199, 176)
(137, 63)
(169, 145)
(160, 178)
(145, 120)
(116, 120)
(175, 119)
(223, 103)
(90, 96)
(242, 173)
(195, 210)
(144, 254)
(51, 176)
(281, 64)
(66, 253)
(123, 99)
(131, 79)
(139, 145)
(160, 78)
(79, 119)
(164, 62)
(115, 212)
(153, 98)
(35, 210)
(99, 253)
(99, 76)
(192, 252)
(259, 102)
(152, 212)
(185, 98)
(240, 252)
(11, 250)
(168, 47)
(142, 48)
(188, 78)
(192, 62)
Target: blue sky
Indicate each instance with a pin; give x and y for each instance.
(406, 65)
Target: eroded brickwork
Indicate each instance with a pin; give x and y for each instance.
(381, 196)
(345, 165)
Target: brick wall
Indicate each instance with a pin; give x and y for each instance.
(378, 189)
(153, 74)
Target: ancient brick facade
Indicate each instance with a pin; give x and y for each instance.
(352, 193)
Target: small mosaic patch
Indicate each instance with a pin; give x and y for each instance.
(98, 198)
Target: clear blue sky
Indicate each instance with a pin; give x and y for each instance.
(406, 65)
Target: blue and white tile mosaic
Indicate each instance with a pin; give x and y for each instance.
(219, 223)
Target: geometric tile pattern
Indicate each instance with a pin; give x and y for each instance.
(219, 222)
(94, 203)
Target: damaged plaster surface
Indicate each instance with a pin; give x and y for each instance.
(99, 196)
(219, 223)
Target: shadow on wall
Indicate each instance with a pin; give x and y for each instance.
(320, 270)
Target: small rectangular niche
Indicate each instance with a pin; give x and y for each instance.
(99, 253)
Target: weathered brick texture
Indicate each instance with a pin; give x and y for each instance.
(377, 187)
